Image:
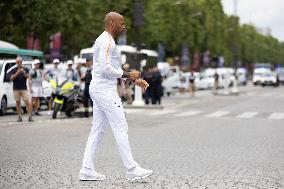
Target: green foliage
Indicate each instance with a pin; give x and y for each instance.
(200, 24)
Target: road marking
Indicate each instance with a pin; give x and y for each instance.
(266, 94)
(276, 116)
(161, 112)
(217, 114)
(188, 113)
(250, 94)
(247, 115)
(129, 111)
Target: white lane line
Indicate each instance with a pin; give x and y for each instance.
(217, 114)
(188, 113)
(250, 94)
(161, 112)
(247, 115)
(266, 94)
(129, 111)
(276, 116)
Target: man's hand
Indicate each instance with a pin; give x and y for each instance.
(141, 83)
(134, 75)
(21, 70)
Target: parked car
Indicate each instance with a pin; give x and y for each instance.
(264, 76)
(280, 73)
(242, 76)
(207, 78)
(171, 82)
(196, 78)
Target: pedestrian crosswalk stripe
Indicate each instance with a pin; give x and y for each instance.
(161, 112)
(129, 111)
(188, 113)
(217, 114)
(276, 116)
(266, 94)
(247, 115)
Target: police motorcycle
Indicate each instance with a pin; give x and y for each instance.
(65, 94)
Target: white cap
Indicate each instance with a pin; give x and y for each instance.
(36, 61)
(56, 61)
(81, 61)
(69, 62)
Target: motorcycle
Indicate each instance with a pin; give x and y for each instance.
(65, 97)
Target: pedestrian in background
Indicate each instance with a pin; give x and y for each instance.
(19, 76)
(36, 86)
(191, 84)
(81, 70)
(157, 89)
(53, 73)
(216, 83)
(71, 74)
(87, 78)
(128, 86)
(148, 95)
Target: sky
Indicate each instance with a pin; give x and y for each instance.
(260, 13)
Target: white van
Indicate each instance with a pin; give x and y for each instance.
(6, 87)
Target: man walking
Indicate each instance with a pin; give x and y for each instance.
(107, 106)
(19, 77)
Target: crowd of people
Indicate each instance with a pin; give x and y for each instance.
(81, 74)
(28, 84)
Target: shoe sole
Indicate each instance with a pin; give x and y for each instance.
(139, 178)
(91, 179)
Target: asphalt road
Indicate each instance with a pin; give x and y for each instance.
(204, 142)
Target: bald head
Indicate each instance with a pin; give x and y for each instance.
(114, 23)
(112, 17)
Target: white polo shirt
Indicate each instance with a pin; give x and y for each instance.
(106, 64)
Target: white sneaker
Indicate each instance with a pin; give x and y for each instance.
(91, 176)
(49, 113)
(138, 173)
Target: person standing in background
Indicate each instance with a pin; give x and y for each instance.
(216, 83)
(191, 84)
(87, 78)
(19, 76)
(71, 74)
(36, 86)
(53, 73)
(81, 70)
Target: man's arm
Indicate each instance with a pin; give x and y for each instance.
(15, 75)
(26, 73)
(105, 51)
(133, 75)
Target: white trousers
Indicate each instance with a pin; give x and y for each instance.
(108, 111)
